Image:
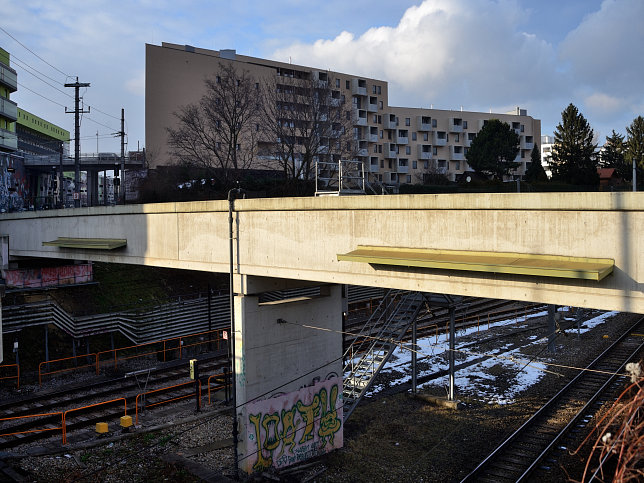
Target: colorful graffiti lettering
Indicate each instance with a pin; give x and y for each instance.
(312, 413)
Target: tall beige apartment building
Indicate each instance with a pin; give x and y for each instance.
(396, 144)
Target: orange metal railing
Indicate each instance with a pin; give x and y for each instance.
(62, 426)
(223, 375)
(86, 407)
(16, 377)
(67, 369)
(115, 357)
(136, 402)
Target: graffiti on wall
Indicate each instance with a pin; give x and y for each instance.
(49, 276)
(289, 429)
(14, 185)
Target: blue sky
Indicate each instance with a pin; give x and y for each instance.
(478, 54)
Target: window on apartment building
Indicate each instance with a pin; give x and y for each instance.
(414, 164)
(435, 151)
(382, 163)
(380, 148)
(348, 115)
(464, 124)
(379, 119)
(407, 149)
(373, 89)
(522, 128)
(413, 136)
(337, 83)
(375, 118)
(389, 135)
(457, 138)
(407, 121)
(403, 162)
(375, 148)
(347, 84)
(382, 133)
(426, 164)
(380, 104)
(434, 123)
(457, 165)
(409, 178)
(389, 164)
(425, 136)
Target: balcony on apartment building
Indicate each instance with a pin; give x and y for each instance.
(467, 140)
(322, 78)
(363, 148)
(527, 142)
(391, 122)
(424, 123)
(373, 164)
(8, 78)
(440, 138)
(518, 127)
(8, 109)
(402, 166)
(359, 117)
(455, 124)
(424, 151)
(358, 87)
(8, 140)
(372, 106)
(391, 150)
(373, 134)
(456, 153)
(403, 136)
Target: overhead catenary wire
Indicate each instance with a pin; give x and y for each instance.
(34, 53)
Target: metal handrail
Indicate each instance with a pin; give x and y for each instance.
(40, 373)
(17, 376)
(86, 407)
(136, 401)
(35, 430)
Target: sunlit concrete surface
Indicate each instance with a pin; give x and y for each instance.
(300, 238)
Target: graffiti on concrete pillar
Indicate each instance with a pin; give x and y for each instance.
(292, 428)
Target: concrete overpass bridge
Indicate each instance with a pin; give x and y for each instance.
(579, 249)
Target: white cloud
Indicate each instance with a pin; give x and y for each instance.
(605, 103)
(445, 52)
(136, 84)
(606, 51)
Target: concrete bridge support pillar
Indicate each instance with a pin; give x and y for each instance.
(281, 347)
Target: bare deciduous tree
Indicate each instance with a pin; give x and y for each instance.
(220, 133)
(306, 120)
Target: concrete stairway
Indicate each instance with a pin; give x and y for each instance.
(376, 342)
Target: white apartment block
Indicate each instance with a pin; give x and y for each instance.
(396, 144)
(547, 142)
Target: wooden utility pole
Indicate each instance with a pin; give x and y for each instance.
(77, 111)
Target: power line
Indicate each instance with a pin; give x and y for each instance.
(20, 61)
(34, 53)
(43, 81)
(38, 94)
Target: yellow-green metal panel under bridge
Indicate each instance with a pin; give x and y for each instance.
(491, 262)
(87, 243)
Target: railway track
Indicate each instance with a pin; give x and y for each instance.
(92, 400)
(525, 450)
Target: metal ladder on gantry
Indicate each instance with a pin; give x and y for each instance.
(374, 344)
